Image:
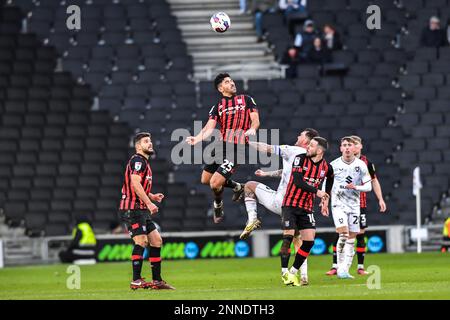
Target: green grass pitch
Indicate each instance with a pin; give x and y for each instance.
(403, 276)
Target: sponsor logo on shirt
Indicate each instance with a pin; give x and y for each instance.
(232, 110)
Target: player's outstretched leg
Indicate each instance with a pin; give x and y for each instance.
(251, 204)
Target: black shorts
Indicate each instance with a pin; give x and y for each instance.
(232, 155)
(137, 222)
(363, 219)
(297, 218)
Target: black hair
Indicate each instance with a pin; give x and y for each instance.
(322, 142)
(139, 136)
(219, 78)
(311, 133)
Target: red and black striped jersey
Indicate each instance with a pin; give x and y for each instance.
(306, 178)
(137, 165)
(371, 167)
(233, 115)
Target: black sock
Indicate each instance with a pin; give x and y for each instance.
(218, 196)
(334, 249)
(230, 184)
(137, 258)
(285, 251)
(155, 262)
(361, 248)
(302, 253)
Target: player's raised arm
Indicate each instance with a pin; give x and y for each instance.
(254, 116)
(262, 147)
(271, 174)
(280, 150)
(204, 134)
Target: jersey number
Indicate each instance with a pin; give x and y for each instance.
(363, 219)
(227, 165)
(356, 218)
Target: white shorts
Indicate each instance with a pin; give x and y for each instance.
(342, 217)
(269, 198)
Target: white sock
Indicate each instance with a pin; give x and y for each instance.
(349, 252)
(251, 206)
(360, 266)
(340, 251)
(334, 266)
(304, 269)
(293, 270)
(284, 270)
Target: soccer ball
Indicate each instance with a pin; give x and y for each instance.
(220, 22)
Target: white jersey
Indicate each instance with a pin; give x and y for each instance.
(344, 174)
(288, 154)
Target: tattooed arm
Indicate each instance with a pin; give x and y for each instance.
(261, 146)
(271, 174)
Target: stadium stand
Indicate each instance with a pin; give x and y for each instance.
(423, 114)
(61, 157)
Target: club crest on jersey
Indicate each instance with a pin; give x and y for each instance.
(138, 166)
(357, 169)
(322, 173)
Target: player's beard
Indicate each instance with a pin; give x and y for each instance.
(149, 152)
